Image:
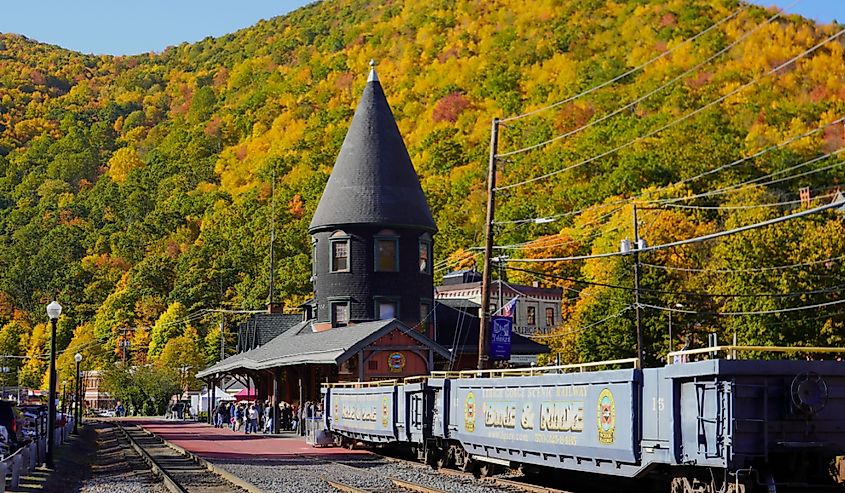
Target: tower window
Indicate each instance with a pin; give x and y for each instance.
(340, 313)
(425, 316)
(550, 317)
(340, 255)
(387, 308)
(387, 254)
(313, 256)
(425, 257)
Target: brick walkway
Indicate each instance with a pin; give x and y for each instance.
(215, 443)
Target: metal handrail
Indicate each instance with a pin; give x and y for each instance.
(356, 385)
(732, 350)
(503, 372)
(539, 370)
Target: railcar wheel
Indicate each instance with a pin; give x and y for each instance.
(441, 459)
(468, 465)
(485, 470)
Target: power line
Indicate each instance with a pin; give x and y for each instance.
(731, 314)
(764, 151)
(676, 121)
(832, 289)
(631, 71)
(838, 203)
(739, 207)
(586, 327)
(737, 271)
(647, 95)
(737, 186)
(670, 201)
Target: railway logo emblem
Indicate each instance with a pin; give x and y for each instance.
(385, 408)
(469, 412)
(606, 416)
(396, 362)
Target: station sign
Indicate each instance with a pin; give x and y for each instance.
(501, 329)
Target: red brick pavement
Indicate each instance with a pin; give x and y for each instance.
(221, 443)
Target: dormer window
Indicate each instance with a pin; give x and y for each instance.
(386, 251)
(425, 254)
(339, 313)
(339, 252)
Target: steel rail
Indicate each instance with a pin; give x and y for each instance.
(171, 484)
(222, 474)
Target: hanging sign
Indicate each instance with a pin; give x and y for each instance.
(500, 338)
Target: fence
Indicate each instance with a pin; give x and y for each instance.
(30, 456)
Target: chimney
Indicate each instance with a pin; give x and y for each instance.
(275, 307)
(536, 284)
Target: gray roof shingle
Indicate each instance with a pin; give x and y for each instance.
(300, 345)
(373, 181)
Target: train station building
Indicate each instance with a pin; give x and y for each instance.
(373, 315)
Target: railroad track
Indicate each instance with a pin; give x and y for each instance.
(178, 471)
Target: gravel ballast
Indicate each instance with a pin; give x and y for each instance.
(300, 474)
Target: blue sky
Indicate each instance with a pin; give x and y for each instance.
(124, 27)
(821, 10)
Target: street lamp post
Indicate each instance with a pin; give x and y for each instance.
(54, 309)
(64, 396)
(78, 399)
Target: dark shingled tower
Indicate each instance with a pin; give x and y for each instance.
(372, 230)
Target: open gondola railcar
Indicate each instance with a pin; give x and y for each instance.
(710, 426)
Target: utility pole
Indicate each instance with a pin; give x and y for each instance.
(484, 328)
(222, 337)
(501, 265)
(272, 240)
(637, 245)
(125, 344)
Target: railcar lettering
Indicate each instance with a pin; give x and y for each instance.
(527, 421)
(562, 416)
(358, 414)
(499, 414)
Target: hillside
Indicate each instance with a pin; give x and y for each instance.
(138, 188)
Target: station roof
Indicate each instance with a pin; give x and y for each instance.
(301, 345)
(373, 181)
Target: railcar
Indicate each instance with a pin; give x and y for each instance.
(716, 425)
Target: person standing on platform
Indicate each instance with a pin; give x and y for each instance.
(252, 420)
(239, 417)
(268, 418)
(287, 416)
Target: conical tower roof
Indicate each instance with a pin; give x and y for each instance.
(373, 181)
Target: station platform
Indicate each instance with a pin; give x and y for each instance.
(211, 443)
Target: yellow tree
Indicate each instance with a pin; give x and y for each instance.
(183, 353)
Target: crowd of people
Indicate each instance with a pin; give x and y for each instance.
(252, 417)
